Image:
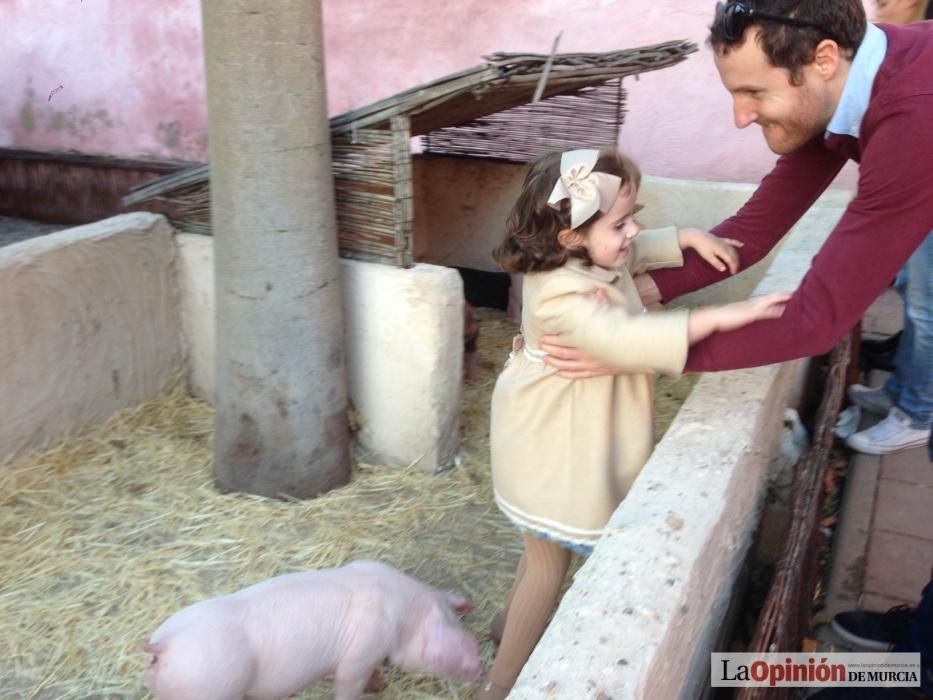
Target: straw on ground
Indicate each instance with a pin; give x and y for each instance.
(107, 534)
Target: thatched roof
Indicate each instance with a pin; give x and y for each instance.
(505, 81)
(508, 80)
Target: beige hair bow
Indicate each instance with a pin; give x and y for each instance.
(587, 191)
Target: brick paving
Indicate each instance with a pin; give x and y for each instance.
(900, 542)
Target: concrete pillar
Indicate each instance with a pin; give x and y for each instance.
(281, 401)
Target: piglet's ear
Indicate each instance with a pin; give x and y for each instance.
(458, 603)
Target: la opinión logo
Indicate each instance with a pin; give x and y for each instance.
(814, 670)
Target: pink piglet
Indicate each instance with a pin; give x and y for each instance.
(275, 638)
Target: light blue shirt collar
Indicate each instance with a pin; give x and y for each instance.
(857, 91)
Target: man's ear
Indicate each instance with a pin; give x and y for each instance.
(826, 59)
(570, 239)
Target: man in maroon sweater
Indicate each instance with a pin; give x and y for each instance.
(825, 87)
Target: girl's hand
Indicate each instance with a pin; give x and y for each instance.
(710, 319)
(741, 313)
(719, 252)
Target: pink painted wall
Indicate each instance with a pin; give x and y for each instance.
(133, 80)
(131, 72)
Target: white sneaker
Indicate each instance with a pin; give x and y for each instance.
(847, 423)
(892, 434)
(874, 400)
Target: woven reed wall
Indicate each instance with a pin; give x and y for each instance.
(590, 117)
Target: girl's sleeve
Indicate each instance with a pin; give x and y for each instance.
(640, 342)
(655, 249)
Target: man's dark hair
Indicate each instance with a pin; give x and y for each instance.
(792, 47)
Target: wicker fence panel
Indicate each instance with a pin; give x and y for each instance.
(365, 180)
(590, 117)
(785, 617)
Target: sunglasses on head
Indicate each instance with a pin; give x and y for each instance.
(734, 17)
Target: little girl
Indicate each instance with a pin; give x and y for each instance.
(565, 452)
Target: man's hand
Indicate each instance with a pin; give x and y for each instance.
(570, 362)
(719, 252)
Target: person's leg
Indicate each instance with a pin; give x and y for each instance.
(882, 399)
(546, 565)
(915, 369)
(919, 638)
(497, 627)
(895, 383)
(907, 424)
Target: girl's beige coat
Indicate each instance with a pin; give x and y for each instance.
(566, 451)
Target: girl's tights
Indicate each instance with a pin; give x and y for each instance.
(538, 581)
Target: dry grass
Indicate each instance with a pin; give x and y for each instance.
(105, 535)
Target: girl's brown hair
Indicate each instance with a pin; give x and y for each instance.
(530, 243)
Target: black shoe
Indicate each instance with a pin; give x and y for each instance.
(872, 630)
(882, 346)
(869, 360)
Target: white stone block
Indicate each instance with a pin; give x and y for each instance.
(404, 347)
(403, 343)
(196, 307)
(88, 325)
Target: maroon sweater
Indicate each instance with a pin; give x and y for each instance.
(889, 217)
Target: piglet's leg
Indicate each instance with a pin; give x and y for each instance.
(350, 688)
(354, 675)
(376, 683)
